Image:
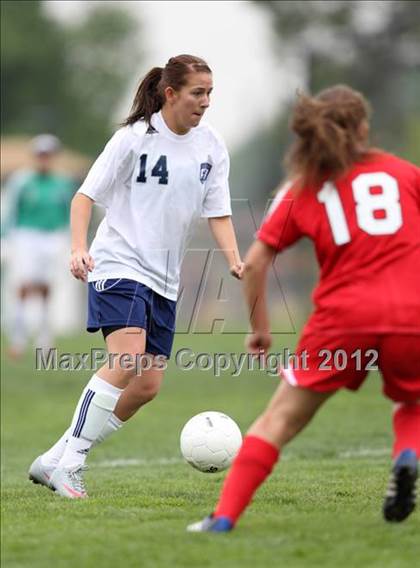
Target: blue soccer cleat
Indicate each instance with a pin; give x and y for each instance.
(400, 499)
(211, 524)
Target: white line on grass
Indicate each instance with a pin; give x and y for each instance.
(365, 453)
(143, 462)
(137, 462)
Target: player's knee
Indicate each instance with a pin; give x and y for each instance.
(145, 393)
(124, 373)
(127, 365)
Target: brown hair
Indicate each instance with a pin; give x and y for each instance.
(150, 96)
(329, 137)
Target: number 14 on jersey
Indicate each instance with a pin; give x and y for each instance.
(159, 170)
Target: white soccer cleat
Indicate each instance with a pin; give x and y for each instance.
(40, 473)
(68, 482)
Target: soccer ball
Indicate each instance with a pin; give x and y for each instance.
(210, 441)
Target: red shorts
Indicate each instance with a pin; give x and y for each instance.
(325, 363)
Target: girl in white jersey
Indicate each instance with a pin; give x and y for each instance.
(158, 174)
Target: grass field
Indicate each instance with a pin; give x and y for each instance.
(321, 507)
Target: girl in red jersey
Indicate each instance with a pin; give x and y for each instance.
(361, 207)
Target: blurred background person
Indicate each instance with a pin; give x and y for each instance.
(37, 204)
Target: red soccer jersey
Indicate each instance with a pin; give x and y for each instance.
(366, 230)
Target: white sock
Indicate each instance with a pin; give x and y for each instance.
(112, 425)
(93, 410)
(52, 456)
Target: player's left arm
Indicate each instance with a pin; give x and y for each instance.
(224, 235)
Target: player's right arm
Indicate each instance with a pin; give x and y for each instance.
(278, 231)
(98, 187)
(257, 263)
(81, 211)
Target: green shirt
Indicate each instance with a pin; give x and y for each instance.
(39, 201)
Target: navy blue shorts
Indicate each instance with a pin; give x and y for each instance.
(119, 303)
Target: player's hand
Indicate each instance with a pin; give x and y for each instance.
(237, 270)
(81, 263)
(258, 343)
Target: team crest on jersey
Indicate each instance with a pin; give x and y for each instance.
(205, 168)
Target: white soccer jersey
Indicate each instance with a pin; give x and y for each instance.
(155, 185)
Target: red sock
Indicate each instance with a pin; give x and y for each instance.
(406, 421)
(251, 467)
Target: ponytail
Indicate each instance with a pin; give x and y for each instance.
(329, 138)
(150, 96)
(148, 99)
